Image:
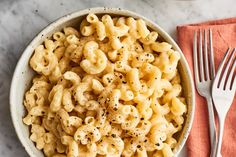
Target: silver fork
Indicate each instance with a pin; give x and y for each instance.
(223, 91)
(204, 72)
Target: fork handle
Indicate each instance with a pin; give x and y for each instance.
(220, 136)
(211, 125)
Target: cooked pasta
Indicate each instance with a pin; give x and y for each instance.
(110, 89)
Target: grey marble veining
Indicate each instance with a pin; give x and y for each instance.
(21, 20)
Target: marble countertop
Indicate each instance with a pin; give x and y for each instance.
(21, 20)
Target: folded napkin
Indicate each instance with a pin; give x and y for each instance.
(224, 36)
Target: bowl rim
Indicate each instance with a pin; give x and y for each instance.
(98, 10)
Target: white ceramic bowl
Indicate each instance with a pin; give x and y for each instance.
(23, 74)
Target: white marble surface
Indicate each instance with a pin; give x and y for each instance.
(21, 20)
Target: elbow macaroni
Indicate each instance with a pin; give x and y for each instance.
(110, 89)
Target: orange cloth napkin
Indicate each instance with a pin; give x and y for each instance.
(224, 36)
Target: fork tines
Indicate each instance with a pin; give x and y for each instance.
(226, 71)
(203, 67)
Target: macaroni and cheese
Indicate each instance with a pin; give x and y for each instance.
(111, 89)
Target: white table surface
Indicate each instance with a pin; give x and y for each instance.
(20, 20)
